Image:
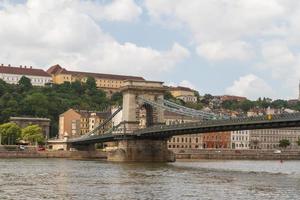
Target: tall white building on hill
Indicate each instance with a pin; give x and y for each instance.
(12, 75)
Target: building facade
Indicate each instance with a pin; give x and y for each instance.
(12, 75)
(75, 123)
(23, 122)
(193, 141)
(185, 94)
(108, 82)
(219, 140)
(269, 138)
(240, 139)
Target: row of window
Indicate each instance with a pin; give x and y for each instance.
(275, 138)
(35, 80)
(183, 140)
(239, 138)
(98, 80)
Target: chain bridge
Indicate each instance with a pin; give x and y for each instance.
(142, 134)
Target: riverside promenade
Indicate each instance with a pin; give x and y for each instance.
(229, 154)
(198, 154)
(32, 152)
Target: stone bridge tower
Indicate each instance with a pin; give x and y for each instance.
(137, 114)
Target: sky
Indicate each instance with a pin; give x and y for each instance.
(238, 47)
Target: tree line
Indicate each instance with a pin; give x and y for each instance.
(25, 100)
(207, 100)
(11, 134)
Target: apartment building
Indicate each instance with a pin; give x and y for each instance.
(108, 82)
(12, 75)
(216, 140)
(240, 139)
(184, 93)
(270, 138)
(193, 141)
(74, 123)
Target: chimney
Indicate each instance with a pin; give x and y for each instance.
(9, 65)
(1, 65)
(25, 66)
(30, 67)
(20, 66)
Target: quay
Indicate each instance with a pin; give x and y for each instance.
(199, 154)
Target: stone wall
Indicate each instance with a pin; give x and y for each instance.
(31, 153)
(238, 155)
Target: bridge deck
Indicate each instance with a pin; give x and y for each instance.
(167, 131)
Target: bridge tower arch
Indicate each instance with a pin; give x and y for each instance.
(138, 114)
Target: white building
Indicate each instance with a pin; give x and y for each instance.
(269, 138)
(240, 139)
(12, 75)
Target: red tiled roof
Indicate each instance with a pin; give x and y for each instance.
(23, 71)
(56, 69)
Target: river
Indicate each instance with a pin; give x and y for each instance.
(30, 179)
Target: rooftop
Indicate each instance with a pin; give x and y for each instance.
(28, 119)
(181, 88)
(23, 70)
(57, 69)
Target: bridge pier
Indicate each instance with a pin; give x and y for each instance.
(83, 147)
(144, 150)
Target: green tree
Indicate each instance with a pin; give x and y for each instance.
(246, 105)
(25, 83)
(10, 133)
(206, 99)
(117, 98)
(91, 83)
(284, 143)
(36, 105)
(230, 104)
(279, 104)
(32, 134)
(196, 93)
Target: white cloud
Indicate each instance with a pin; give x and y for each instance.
(223, 29)
(183, 83)
(186, 83)
(282, 64)
(250, 86)
(221, 51)
(42, 33)
(118, 10)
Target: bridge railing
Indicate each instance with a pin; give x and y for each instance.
(232, 121)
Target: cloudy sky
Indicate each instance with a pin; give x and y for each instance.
(240, 47)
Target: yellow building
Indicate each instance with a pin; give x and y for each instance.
(74, 123)
(184, 93)
(108, 82)
(182, 142)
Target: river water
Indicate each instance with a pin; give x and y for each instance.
(79, 179)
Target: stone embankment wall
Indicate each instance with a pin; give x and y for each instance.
(31, 152)
(219, 154)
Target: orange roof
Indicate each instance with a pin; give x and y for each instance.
(57, 69)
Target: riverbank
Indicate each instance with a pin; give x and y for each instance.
(221, 154)
(32, 152)
(199, 154)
